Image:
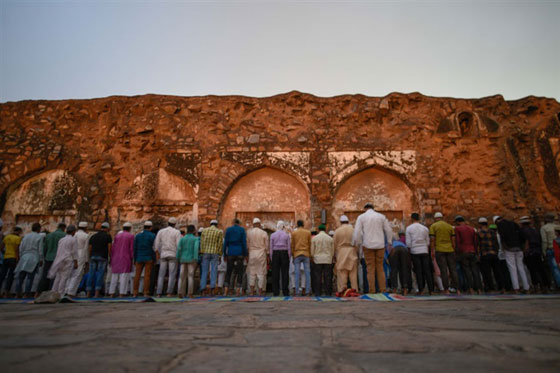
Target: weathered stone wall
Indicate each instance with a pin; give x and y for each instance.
(133, 158)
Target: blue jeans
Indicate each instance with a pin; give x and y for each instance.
(21, 279)
(553, 266)
(97, 267)
(212, 261)
(306, 268)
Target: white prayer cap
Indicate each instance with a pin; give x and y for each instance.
(483, 220)
(82, 224)
(280, 225)
(524, 219)
(256, 221)
(172, 220)
(344, 219)
(438, 215)
(147, 223)
(331, 233)
(127, 225)
(105, 225)
(213, 222)
(200, 229)
(495, 219)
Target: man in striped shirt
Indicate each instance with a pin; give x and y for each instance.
(211, 245)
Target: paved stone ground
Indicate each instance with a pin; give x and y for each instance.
(519, 335)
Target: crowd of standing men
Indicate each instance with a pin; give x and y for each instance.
(368, 257)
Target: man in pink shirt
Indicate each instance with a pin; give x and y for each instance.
(466, 248)
(122, 254)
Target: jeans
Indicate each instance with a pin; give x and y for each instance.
(209, 260)
(322, 275)
(7, 270)
(21, 278)
(97, 266)
(280, 263)
(553, 266)
(307, 270)
(446, 262)
(470, 270)
(234, 265)
(423, 272)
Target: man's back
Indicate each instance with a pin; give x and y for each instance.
(257, 239)
(466, 239)
(235, 241)
(51, 243)
(372, 230)
(301, 242)
(211, 241)
(417, 238)
(343, 236)
(322, 248)
(100, 244)
(442, 233)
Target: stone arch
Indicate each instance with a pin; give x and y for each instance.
(268, 193)
(48, 198)
(390, 193)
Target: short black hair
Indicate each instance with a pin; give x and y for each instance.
(415, 216)
(36, 227)
(127, 229)
(62, 225)
(17, 229)
(236, 221)
(191, 228)
(300, 223)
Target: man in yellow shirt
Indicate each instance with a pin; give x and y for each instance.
(301, 251)
(11, 256)
(442, 245)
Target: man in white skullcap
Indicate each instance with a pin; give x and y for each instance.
(66, 259)
(257, 244)
(442, 248)
(122, 256)
(346, 255)
(280, 255)
(82, 239)
(167, 241)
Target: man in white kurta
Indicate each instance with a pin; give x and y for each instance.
(82, 238)
(257, 244)
(66, 260)
(165, 245)
(346, 256)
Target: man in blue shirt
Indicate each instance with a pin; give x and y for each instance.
(144, 256)
(235, 252)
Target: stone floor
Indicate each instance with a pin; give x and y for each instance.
(517, 335)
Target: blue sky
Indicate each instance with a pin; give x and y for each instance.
(85, 49)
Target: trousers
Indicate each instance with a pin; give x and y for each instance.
(399, 261)
(307, 271)
(74, 280)
(421, 263)
(343, 275)
(374, 262)
(514, 260)
(7, 273)
(467, 261)
(122, 279)
(490, 264)
(537, 270)
(164, 263)
(235, 266)
(448, 268)
(147, 267)
(62, 276)
(322, 275)
(22, 277)
(187, 269)
(280, 264)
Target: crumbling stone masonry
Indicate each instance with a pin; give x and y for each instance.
(284, 157)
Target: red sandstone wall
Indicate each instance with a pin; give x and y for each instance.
(474, 157)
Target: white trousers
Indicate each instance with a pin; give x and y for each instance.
(221, 278)
(122, 279)
(258, 279)
(514, 260)
(74, 281)
(62, 276)
(163, 264)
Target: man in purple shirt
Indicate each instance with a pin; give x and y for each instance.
(280, 253)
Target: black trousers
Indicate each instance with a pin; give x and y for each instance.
(280, 263)
(505, 275)
(45, 283)
(538, 273)
(322, 276)
(7, 273)
(234, 265)
(423, 271)
(400, 266)
(490, 264)
(468, 262)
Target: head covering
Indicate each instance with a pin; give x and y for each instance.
(18, 227)
(344, 219)
(322, 227)
(459, 218)
(172, 220)
(105, 225)
(557, 227)
(213, 222)
(331, 233)
(200, 230)
(495, 218)
(280, 225)
(82, 224)
(483, 220)
(147, 223)
(127, 225)
(524, 219)
(71, 228)
(256, 221)
(438, 215)
(493, 226)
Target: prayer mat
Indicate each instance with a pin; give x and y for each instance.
(16, 300)
(106, 300)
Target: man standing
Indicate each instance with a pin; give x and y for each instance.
(82, 239)
(235, 252)
(51, 244)
(11, 244)
(533, 254)
(371, 233)
(511, 239)
(187, 256)
(99, 252)
(547, 236)
(346, 256)
(322, 252)
(301, 246)
(211, 248)
(467, 245)
(417, 238)
(144, 258)
(167, 241)
(122, 255)
(257, 244)
(489, 261)
(66, 260)
(442, 242)
(280, 254)
(30, 256)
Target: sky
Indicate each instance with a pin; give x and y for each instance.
(468, 49)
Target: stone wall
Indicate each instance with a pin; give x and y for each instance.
(151, 157)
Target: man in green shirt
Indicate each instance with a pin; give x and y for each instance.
(442, 245)
(51, 244)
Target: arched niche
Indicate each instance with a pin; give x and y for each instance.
(48, 198)
(269, 194)
(389, 194)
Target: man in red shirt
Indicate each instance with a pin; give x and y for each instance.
(466, 247)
